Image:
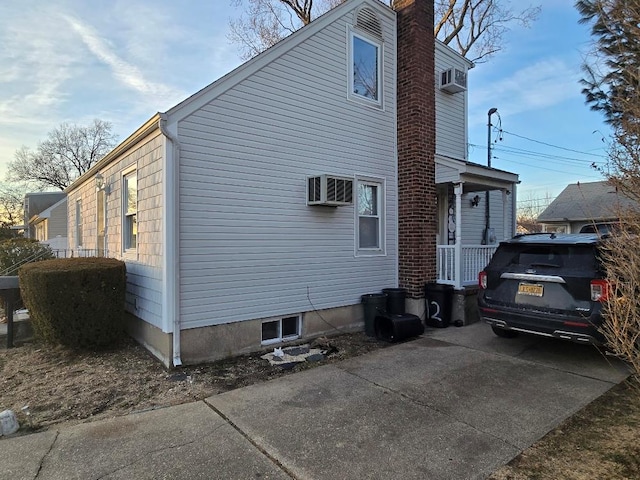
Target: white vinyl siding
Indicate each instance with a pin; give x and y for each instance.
(473, 218)
(57, 222)
(250, 247)
(451, 109)
(446, 174)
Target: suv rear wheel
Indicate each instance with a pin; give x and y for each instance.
(501, 332)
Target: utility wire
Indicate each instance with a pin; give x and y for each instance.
(546, 168)
(529, 153)
(539, 155)
(551, 145)
(550, 156)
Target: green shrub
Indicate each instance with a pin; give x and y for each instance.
(76, 302)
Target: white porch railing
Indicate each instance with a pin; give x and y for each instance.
(474, 259)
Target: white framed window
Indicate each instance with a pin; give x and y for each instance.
(281, 329)
(365, 69)
(129, 211)
(370, 217)
(41, 230)
(78, 223)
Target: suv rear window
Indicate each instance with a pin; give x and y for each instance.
(553, 256)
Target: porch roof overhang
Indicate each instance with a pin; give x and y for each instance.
(473, 177)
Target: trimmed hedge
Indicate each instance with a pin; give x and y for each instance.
(76, 302)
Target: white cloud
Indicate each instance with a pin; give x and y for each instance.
(35, 63)
(127, 73)
(544, 84)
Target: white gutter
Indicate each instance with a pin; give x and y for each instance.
(170, 228)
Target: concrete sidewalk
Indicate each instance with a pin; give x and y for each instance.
(455, 404)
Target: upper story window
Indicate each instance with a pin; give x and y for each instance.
(130, 211)
(370, 221)
(365, 67)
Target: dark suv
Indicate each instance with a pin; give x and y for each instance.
(547, 284)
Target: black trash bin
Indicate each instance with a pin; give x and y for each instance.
(374, 304)
(396, 298)
(438, 300)
(395, 328)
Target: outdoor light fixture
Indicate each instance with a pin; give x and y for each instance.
(99, 181)
(475, 201)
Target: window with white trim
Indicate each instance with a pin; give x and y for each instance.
(78, 223)
(365, 67)
(281, 330)
(370, 217)
(41, 230)
(129, 211)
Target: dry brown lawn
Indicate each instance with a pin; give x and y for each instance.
(602, 441)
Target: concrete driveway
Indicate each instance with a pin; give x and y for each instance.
(457, 403)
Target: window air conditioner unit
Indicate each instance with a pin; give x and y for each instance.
(329, 190)
(453, 80)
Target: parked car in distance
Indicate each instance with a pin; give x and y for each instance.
(545, 284)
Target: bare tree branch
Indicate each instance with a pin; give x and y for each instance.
(68, 152)
(476, 27)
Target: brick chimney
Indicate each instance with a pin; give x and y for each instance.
(417, 208)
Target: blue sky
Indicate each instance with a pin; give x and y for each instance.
(124, 60)
(534, 84)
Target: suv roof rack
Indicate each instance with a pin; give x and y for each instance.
(545, 237)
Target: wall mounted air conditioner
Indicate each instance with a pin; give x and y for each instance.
(329, 190)
(453, 80)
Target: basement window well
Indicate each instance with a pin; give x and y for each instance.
(281, 330)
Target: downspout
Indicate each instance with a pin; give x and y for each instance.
(171, 266)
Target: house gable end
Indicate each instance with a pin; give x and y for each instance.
(254, 65)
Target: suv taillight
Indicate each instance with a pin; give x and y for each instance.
(482, 280)
(599, 290)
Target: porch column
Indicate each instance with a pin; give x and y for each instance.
(457, 189)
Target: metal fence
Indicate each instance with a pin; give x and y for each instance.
(79, 252)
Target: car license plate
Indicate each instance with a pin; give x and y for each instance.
(532, 289)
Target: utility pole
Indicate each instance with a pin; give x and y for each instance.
(487, 211)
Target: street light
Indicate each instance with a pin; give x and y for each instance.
(487, 214)
(489, 113)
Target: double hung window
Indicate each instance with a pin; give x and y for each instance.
(370, 219)
(130, 211)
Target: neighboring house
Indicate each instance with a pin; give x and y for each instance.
(581, 204)
(50, 225)
(36, 203)
(260, 209)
